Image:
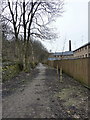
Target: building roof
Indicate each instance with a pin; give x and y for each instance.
(53, 59)
(82, 46)
(66, 53)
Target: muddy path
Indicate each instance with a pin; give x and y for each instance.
(44, 96)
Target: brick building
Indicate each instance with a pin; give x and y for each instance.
(62, 55)
(83, 51)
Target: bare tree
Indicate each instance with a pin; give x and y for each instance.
(31, 19)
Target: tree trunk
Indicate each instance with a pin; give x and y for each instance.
(17, 51)
(26, 67)
(33, 59)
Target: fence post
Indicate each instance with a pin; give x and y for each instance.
(57, 69)
(60, 74)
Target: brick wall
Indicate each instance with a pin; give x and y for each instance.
(82, 52)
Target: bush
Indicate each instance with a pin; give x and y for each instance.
(33, 65)
(10, 70)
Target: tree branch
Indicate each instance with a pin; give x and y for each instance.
(32, 15)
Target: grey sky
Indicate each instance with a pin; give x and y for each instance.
(73, 25)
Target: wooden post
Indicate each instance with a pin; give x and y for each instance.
(57, 69)
(61, 74)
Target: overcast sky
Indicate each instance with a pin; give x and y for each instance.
(73, 25)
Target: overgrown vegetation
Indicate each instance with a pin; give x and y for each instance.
(10, 71)
(35, 52)
(12, 62)
(40, 54)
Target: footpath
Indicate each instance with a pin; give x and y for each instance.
(40, 94)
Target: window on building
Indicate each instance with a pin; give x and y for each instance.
(85, 55)
(89, 55)
(81, 48)
(85, 47)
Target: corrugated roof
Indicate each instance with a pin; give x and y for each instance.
(64, 53)
(54, 59)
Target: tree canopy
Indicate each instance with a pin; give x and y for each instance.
(32, 17)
